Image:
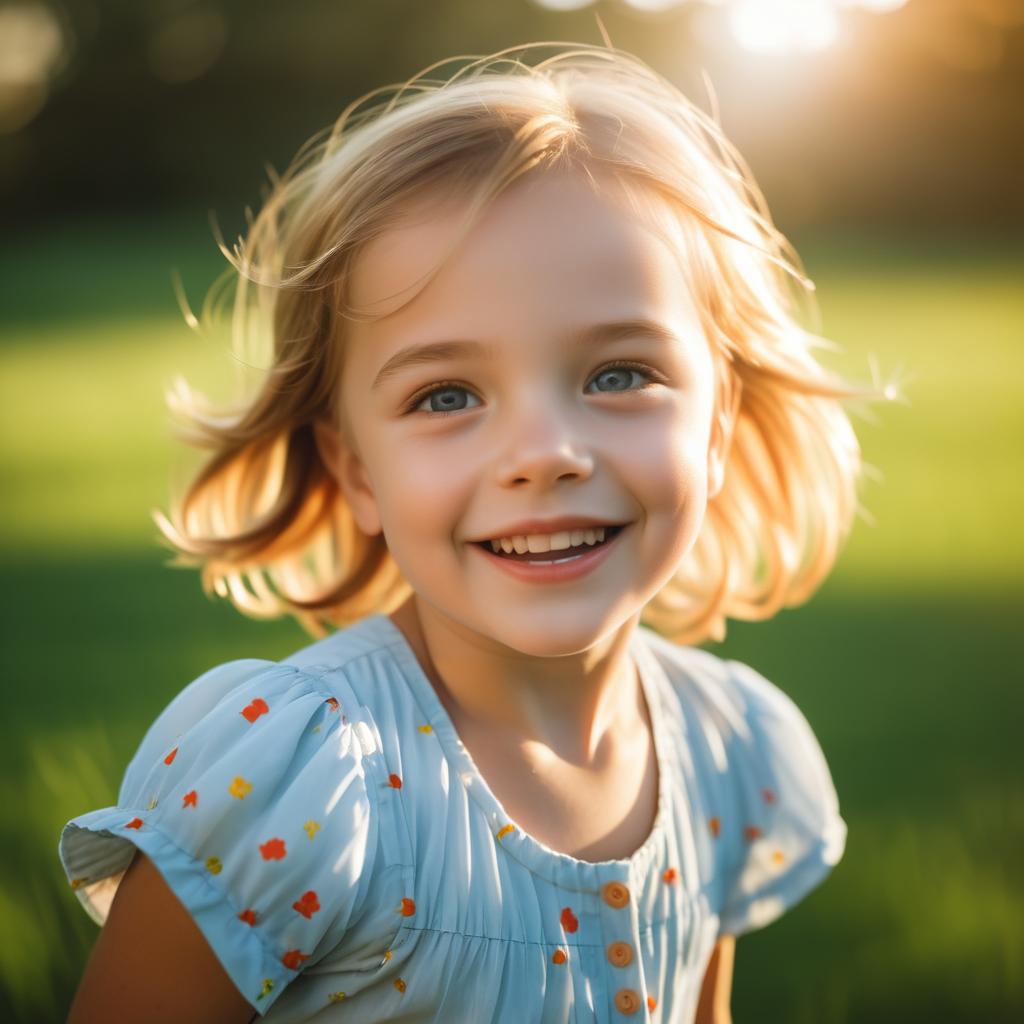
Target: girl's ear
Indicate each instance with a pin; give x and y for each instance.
(345, 466)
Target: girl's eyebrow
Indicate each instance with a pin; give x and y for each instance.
(437, 351)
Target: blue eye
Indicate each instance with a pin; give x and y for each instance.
(449, 388)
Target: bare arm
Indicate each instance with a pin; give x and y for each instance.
(152, 965)
(716, 989)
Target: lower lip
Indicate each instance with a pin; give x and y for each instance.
(556, 572)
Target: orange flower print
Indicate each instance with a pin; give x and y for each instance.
(248, 916)
(254, 710)
(504, 831)
(307, 905)
(399, 984)
(240, 787)
(751, 832)
(768, 795)
(651, 1002)
(333, 703)
(190, 799)
(715, 826)
(569, 920)
(273, 849)
(311, 827)
(559, 957)
(778, 856)
(669, 876)
(408, 907)
(170, 757)
(134, 823)
(395, 781)
(293, 959)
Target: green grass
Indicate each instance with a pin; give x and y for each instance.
(905, 662)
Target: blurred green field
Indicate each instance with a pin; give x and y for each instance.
(905, 662)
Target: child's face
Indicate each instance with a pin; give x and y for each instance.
(539, 427)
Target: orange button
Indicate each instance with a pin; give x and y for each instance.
(627, 1000)
(620, 954)
(615, 894)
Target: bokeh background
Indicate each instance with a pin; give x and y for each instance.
(887, 137)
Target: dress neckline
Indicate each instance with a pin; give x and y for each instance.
(560, 868)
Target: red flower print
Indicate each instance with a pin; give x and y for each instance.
(254, 710)
(333, 703)
(170, 757)
(768, 795)
(293, 958)
(248, 916)
(273, 849)
(751, 832)
(395, 781)
(307, 905)
(715, 826)
(134, 823)
(651, 1002)
(408, 907)
(569, 920)
(670, 876)
(559, 957)
(190, 799)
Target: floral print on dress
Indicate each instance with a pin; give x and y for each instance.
(254, 709)
(307, 904)
(273, 849)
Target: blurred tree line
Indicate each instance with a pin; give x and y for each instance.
(140, 105)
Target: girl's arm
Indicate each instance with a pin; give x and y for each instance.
(716, 990)
(151, 964)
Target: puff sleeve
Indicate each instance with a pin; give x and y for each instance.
(786, 831)
(248, 793)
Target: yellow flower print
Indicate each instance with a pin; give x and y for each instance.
(213, 865)
(335, 997)
(240, 788)
(268, 985)
(504, 831)
(426, 728)
(311, 828)
(151, 804)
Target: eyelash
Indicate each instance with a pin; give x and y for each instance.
(444, 385)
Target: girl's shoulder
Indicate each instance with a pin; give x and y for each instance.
(255, 793)
(772, 808)
(740, 703)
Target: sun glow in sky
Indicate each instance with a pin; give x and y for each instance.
(765, 26)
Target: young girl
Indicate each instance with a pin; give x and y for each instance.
(538, 419)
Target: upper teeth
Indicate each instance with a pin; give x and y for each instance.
(547, 541)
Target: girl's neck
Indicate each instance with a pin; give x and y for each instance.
(568, 705)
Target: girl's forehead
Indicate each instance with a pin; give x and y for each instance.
(547, 243)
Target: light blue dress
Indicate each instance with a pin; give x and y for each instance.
(333, 840)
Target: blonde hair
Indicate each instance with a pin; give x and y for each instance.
(266, 520)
